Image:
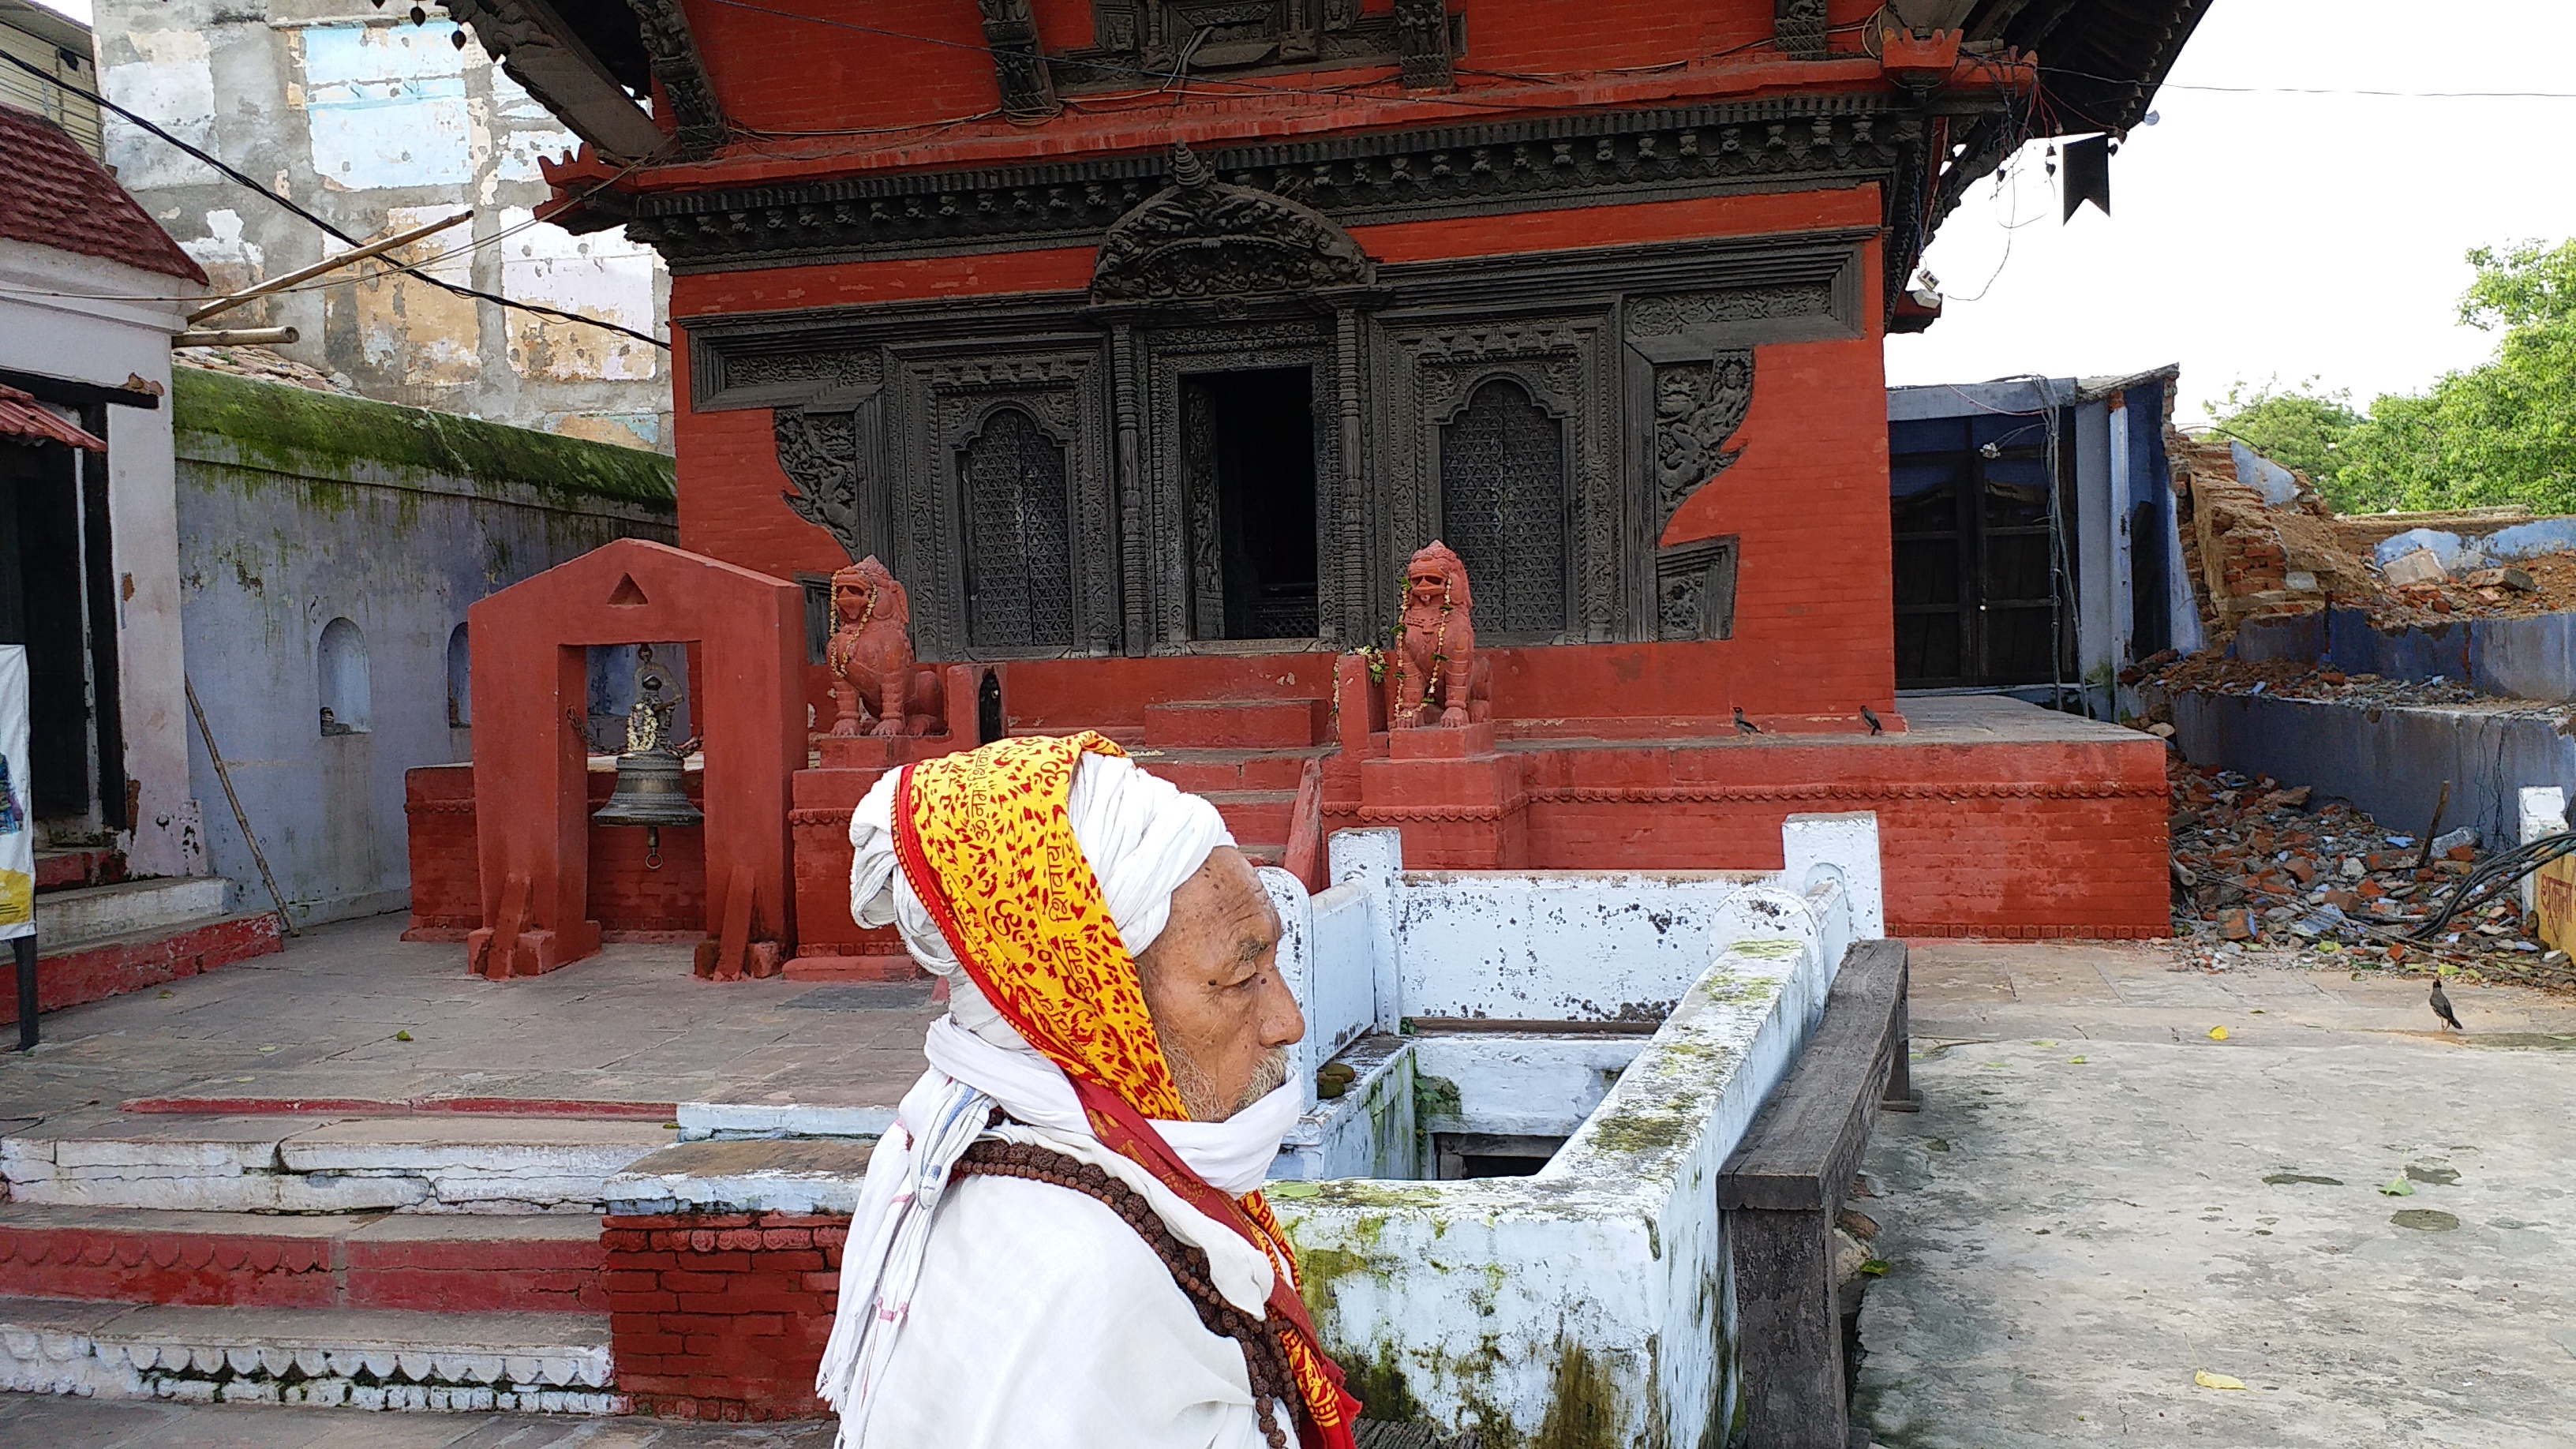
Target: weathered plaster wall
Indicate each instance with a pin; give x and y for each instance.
(299, 509)
(60, 316)
(381, 126)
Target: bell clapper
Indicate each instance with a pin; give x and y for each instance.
(652, 847)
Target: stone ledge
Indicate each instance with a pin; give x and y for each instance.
(805, 1176)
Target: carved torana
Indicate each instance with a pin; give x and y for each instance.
(1434, 669)
(1698, 407)
(1201, 239)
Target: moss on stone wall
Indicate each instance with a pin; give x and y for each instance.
(290, 428)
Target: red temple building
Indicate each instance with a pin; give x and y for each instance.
(1146, 341)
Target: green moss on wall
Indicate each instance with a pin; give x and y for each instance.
(289, 427)
(1582, 1404)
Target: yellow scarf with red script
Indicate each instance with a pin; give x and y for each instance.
(985, 840)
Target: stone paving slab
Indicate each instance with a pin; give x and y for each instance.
(321, 1018)
(2099, 1201)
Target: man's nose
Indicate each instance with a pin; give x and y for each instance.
(1282, 1024)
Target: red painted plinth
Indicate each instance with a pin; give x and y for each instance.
(722, 1315)
(879, 752)
(899, 967)
(1459, 805)
(112, 968)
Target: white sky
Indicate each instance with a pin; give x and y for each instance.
(2269, 235)
(76, 9)
(2255, 236)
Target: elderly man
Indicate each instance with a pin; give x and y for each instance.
(1062, 1239)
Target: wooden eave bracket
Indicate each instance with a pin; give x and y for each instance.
(672, 49)
(539, 50)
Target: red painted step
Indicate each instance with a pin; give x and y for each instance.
(1267, 724)
(78, 867)
(1201, 771)
(449, 1263)
(1255, 814)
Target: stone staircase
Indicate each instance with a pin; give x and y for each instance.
(440, 1261)
(1245, 756)
(100, 935)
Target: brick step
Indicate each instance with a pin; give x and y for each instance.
(78, 866)
(1200, 771)
(1237, 724)
(101, 967)
(444, 1263)
(286, 1163)
(1255, 814)
(360, 1358)
(82, 914)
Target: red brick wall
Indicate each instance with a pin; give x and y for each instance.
(626, 896)
(722, 1315)
(924, 62)
(2002, 840)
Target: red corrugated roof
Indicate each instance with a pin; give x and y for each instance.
(21, 416)
(54, 194)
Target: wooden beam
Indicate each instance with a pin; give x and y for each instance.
(1782, 1190)
(540, 50)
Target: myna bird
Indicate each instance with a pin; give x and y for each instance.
(1745, 726)
(2442, 1007)
(1870, 718)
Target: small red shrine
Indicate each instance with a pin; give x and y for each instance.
(1459, 415)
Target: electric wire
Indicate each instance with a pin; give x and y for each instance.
(289, 204)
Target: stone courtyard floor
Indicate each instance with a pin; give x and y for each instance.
(2100, 1201)
(351, 1012)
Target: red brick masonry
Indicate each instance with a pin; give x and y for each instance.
(245, 1267)
(112, 968)
(722, 1315)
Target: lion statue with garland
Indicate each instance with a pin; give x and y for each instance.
(870, 656)
(1434, 665)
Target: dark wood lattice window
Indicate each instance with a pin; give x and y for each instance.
(1503, 508)
(1019, 528)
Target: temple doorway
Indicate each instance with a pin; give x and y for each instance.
(54, 599)
(1249, 447)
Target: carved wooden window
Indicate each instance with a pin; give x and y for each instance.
(1019, 536)
(1503, 507)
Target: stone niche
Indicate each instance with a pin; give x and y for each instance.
(1508, 1215)
(1238, 454)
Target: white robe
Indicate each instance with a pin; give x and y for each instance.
(1043, 1321)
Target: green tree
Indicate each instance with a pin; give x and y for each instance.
(2500, 432)
(2297, 427)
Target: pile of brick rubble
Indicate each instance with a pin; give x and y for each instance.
(2260, 866)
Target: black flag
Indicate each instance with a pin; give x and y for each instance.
(2087, 175)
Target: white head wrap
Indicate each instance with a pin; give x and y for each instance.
(1143, 837)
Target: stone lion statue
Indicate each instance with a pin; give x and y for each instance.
(870, 656)
(1434, 664)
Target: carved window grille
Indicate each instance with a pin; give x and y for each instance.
(1019, 536)
(1504, 508)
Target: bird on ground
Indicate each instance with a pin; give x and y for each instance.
(1870, 719)
(2442, 1007)
(1745, 726)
